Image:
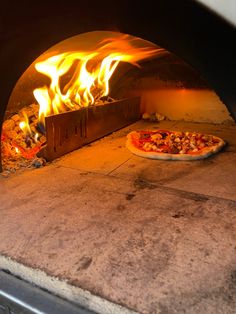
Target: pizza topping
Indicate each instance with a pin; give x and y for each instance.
(144, 136)
(156, 137)
(167, 145)
(174, 142)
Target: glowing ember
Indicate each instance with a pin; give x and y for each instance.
(20, 139)
(36, 137)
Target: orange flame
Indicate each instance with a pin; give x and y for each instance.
(89, 74)
(24, 124)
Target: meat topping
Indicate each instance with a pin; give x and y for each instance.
(177, 142)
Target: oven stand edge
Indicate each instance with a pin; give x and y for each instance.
(20, 297)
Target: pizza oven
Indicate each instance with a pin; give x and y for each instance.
(185, 68)
(76, 78)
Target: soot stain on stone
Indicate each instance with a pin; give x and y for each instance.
(84, 263)
(120, 207)
(129, 196)
(233, 279)
(141, 184)
(193, 213)
(189, 195)
(178, 215)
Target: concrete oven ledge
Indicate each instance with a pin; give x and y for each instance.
(117, 233)
(61, 288)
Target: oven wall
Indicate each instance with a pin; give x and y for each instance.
(170, 87)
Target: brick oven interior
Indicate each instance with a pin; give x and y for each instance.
(112, 232)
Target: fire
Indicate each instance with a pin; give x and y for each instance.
(88, 74)
(24, 125)
(78, 79)
(36, 137)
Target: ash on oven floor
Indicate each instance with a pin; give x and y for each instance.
(117, 233)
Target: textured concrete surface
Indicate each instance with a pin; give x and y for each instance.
(152, 236)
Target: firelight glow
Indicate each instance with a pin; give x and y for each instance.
(17, 150)
(24, 125)
(87, 73)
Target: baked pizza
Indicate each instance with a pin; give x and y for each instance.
(173, 145)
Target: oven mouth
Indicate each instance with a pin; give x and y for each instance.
(175, 37)
(47, 125)
(97, 224)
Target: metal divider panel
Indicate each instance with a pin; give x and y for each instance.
(70, 130)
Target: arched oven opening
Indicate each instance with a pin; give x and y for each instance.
(207, 47)
(93, 84)
(101, 227)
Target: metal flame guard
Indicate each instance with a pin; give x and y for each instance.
(68, 131)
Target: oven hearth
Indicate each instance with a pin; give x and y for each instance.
(102, 228)
(115, 229)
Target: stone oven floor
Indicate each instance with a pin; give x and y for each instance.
(119, 233)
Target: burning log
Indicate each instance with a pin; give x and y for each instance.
(21, 142)
(62, 133)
